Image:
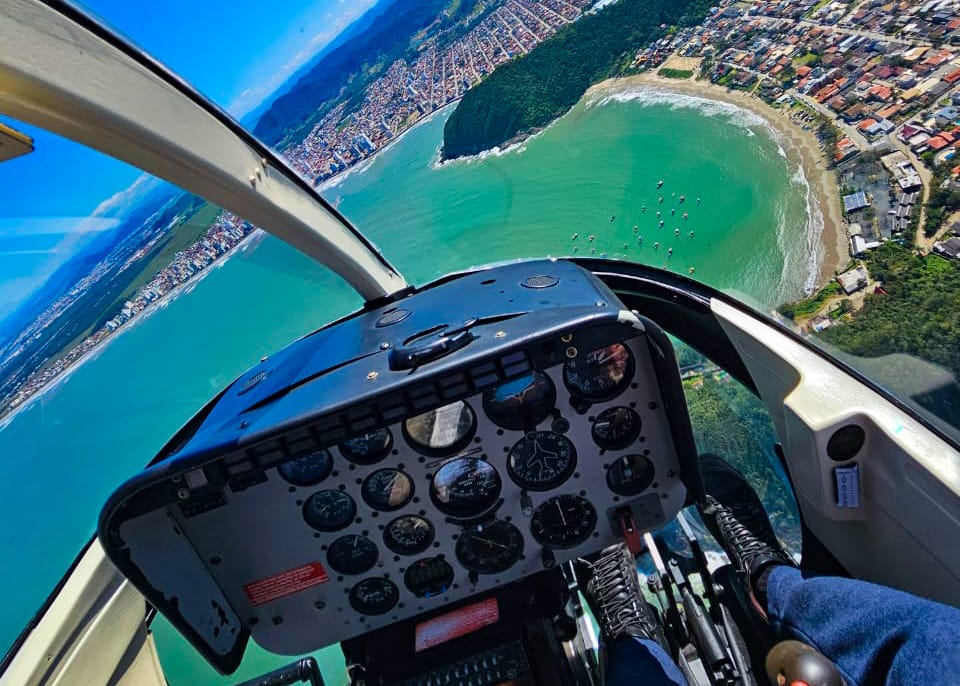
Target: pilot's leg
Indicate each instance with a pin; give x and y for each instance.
(632, 636)
(635, 661)
(873, 634)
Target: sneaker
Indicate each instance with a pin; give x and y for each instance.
(612, 589)
(736, 518)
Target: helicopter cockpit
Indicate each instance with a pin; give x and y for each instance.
(409, 458)
(417, 480)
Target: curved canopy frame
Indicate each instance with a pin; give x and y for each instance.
(65, 72)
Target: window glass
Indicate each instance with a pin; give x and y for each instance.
(125, 305)
(731, 422)
(755, 156)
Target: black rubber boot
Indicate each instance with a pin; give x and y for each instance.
(737, 519)
(612, 589)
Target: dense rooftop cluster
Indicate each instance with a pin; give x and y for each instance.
(410, 91)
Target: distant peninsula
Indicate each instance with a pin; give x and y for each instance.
(528, 93)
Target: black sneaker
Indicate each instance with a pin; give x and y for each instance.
(737, 519)
(612, 589)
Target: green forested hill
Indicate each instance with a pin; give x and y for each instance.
(919, 316)
(531, 91)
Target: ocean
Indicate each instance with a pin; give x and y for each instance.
(591, 173)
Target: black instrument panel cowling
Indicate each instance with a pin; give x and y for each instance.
(232, 493)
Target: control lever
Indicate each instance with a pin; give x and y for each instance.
(629, 531)
(304, 670)
(792, 663)
(703, 633)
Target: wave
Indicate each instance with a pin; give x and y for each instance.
(650, 96)
(803, 256)
(518, 147)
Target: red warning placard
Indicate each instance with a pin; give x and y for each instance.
(285, 583)
(458, 623)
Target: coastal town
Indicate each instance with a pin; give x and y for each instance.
(439, 76)
(877, 82)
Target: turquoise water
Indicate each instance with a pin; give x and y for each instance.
(60, 458)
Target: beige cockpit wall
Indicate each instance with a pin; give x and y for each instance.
(904, 529)
(93, 632)
(58, 74)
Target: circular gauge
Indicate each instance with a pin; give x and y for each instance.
(522, 403)
(368, 448)
(408, 535)
(352, 554)
(466, 487)
(541, 460)
(387, 489)
(600, 374)
(374, 596)
(329, 510)
(442, 431)
(564, 521)
(616, 428)
(308, 470)
(428, 577)
(490, 549)
(630, 475)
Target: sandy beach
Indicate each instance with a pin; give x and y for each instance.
(801, 146)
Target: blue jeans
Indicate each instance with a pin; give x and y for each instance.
(875, 635)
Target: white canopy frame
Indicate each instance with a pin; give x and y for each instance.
(63, 71)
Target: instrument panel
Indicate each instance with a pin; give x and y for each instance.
(406, 458)
(449, 502)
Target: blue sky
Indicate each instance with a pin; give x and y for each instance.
(234, 52)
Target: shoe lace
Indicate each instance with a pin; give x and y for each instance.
(616, 597)
(747, 532)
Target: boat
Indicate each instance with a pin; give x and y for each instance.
(635, 228)
(660, 200)
(574, 236)
(676, 231)
(659, 184)
(673, 211)
(690, 234)
(661, 223)
(682, 198)
(686, 215)
(591, 238)
(425, 408)
(698, 201)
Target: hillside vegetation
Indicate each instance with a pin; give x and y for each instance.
(533, 90)
(919, 316)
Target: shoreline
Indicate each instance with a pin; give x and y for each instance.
(801, 146)
(251, 240)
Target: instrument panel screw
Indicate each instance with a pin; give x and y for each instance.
(183, 493)
(571, 352)
(567, 338)
(372, 375)
(500, 334)
(384, 346)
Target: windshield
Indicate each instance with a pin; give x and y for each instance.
(798, 155)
